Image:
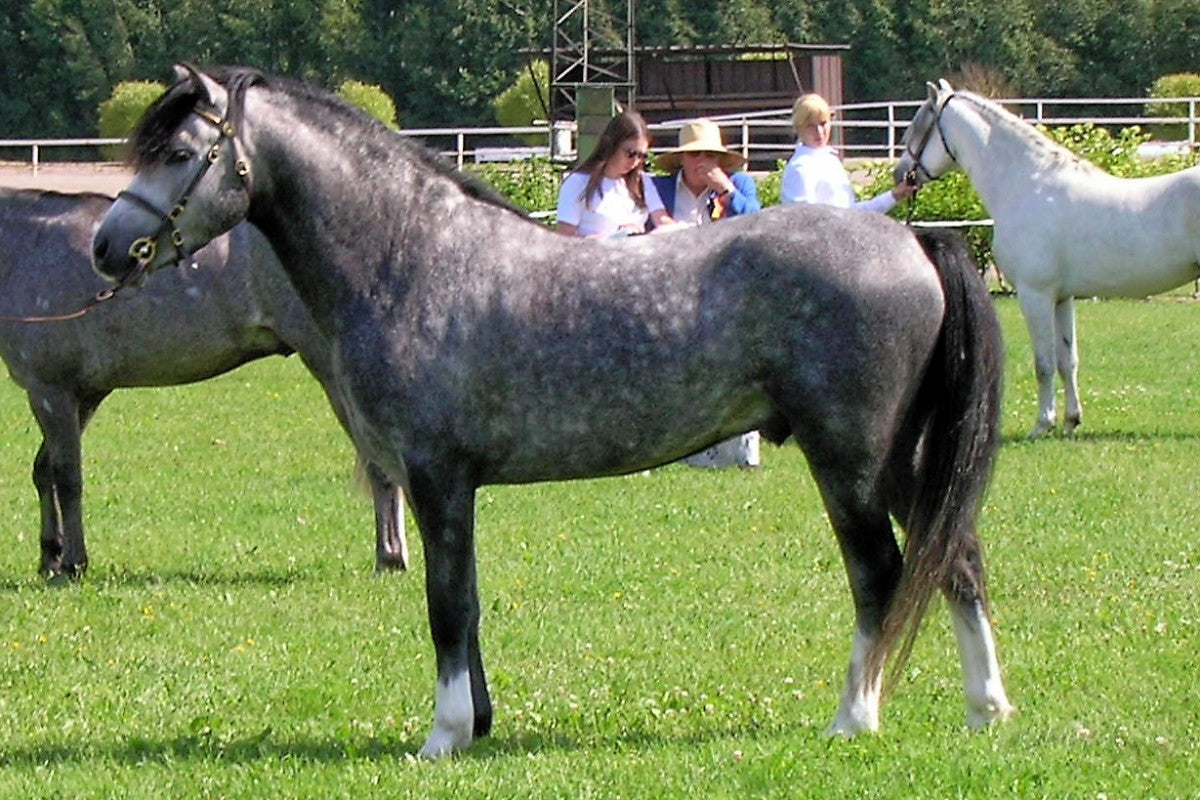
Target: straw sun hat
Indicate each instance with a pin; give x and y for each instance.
(703, 136)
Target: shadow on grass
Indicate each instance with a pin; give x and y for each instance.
(270, 578)
(1102, 437)
(263, 747)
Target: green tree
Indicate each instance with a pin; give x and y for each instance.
(527, 100)
(74, 51)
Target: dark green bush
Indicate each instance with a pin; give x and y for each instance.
(531, 184)
(121, 111)
(1182, 84)
(371, 99)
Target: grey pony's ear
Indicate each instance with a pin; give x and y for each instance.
(933, 90)
(945, 86)
(210, 91)
(181, 72)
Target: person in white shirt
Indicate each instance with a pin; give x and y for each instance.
(815, 174)
(610, 193)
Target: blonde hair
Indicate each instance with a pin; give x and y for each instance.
(809, 109)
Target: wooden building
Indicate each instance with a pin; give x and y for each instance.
(685, 82)
(678, 83)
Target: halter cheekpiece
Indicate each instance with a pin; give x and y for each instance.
(144, 248)
(917, 152)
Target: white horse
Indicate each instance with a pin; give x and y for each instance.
(1064, 228)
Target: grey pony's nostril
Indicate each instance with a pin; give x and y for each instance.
(99, 250)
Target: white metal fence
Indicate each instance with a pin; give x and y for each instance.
(870, 130)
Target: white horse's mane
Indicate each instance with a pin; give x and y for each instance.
(1001, 117)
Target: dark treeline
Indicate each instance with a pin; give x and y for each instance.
(442, 61)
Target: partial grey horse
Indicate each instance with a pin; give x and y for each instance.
(230, 304)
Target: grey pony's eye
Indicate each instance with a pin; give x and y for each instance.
(178, 156)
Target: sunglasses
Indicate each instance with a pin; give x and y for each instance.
(639, 155)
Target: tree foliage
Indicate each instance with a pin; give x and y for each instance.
(526, 100)
(444, 61)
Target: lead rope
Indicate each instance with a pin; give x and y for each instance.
(910, 178)
(106, 294)
(144, 248)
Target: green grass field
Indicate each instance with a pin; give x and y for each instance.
(681, 634)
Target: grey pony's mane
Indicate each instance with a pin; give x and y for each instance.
(151, 138)
(1001, 117)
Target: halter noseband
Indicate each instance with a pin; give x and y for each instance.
(916, 153)
(144, 248)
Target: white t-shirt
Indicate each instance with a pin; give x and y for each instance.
(816, 175)
(610, 207)
(690, 208)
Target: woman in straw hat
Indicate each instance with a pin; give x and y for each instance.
(703, 183)
(704, 186)
(815, 174)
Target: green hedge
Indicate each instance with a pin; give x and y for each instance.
(121, 111)
(533, 184)
(1183, 84)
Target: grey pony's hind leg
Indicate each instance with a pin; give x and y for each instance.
(965, 593)
(391, 542)
(874, 566)
(443, 502)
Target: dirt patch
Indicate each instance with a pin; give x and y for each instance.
(106, 178)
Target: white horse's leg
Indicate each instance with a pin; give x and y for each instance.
(1068, 362)
(859, 710)
(1038, 310)
(986, 699)
(453, 717)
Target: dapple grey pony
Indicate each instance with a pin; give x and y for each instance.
(230, 304)
(475, 347)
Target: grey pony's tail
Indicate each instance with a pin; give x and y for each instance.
(958, 416)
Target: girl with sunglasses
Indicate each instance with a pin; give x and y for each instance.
(610, 194)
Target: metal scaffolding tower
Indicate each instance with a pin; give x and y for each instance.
(581, 79)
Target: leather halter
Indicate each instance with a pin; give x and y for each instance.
(916, 153)
(144, 248)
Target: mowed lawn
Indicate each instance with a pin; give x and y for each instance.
(681, 634)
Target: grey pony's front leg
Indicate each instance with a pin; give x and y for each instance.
(51, 538)
(444, 504)
(391, 543)
(58, 477)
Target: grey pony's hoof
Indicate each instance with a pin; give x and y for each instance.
(391, 562)
(58, 574)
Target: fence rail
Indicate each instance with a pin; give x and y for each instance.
(869, 130)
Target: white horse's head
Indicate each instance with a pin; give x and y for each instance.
(926, 155)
